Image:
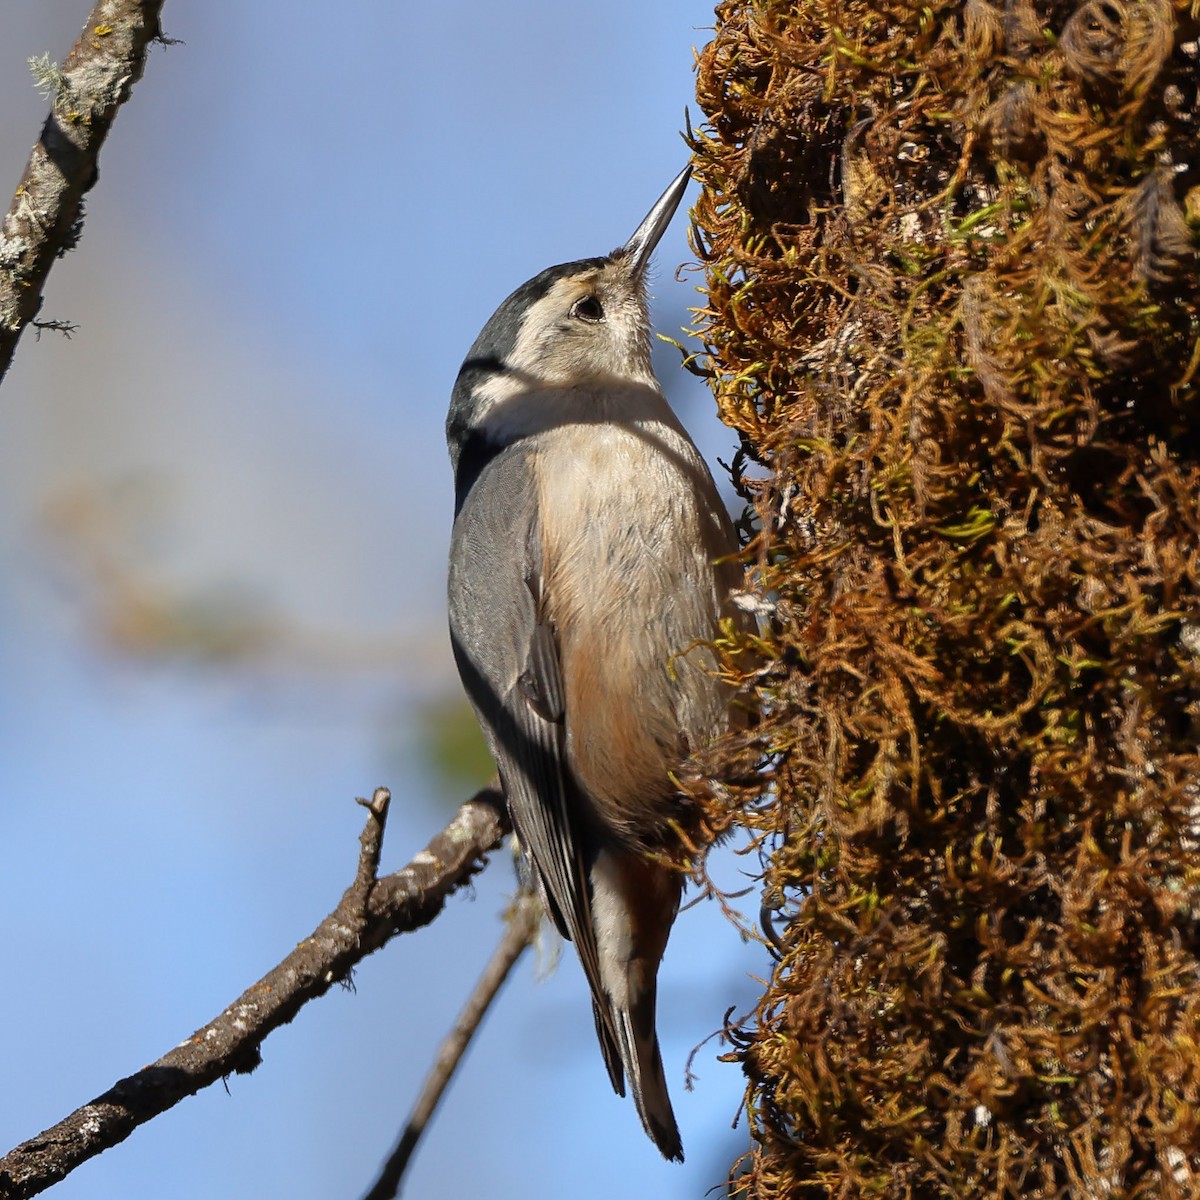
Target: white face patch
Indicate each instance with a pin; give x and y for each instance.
(589, 326)
(587, 333)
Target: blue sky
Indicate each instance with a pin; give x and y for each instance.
(298, 230)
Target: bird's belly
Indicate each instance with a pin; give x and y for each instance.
(631, 524)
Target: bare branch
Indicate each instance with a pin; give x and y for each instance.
(66, 328)
(85, 93)
(524, 915)
(370, 913)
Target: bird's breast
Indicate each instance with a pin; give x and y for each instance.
(631, 527)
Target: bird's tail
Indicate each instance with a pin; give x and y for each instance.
(633, 922)
(643, 1064)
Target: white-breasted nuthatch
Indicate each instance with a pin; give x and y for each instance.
(590, 555)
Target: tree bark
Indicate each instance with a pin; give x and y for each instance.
(953, 309)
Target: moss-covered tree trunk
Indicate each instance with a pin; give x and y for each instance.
(954, 311)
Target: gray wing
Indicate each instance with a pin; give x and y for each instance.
(508, 658)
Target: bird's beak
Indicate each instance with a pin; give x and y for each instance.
(639, 247)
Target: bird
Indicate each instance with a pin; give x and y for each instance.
(591, 559)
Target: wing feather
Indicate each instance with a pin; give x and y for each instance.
(508, 657)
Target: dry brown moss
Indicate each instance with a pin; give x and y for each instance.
(954, 313)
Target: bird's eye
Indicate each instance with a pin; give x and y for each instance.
(588, 309)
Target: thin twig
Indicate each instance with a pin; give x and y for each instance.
(85, 93)
(66, 328)
(523, 918)
(370, 913)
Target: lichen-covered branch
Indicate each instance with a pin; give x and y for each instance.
(85, 93)
(370, 913)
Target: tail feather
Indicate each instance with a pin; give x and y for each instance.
(643, 1064)
(633, 906)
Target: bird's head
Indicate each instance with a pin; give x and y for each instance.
(579, 324)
